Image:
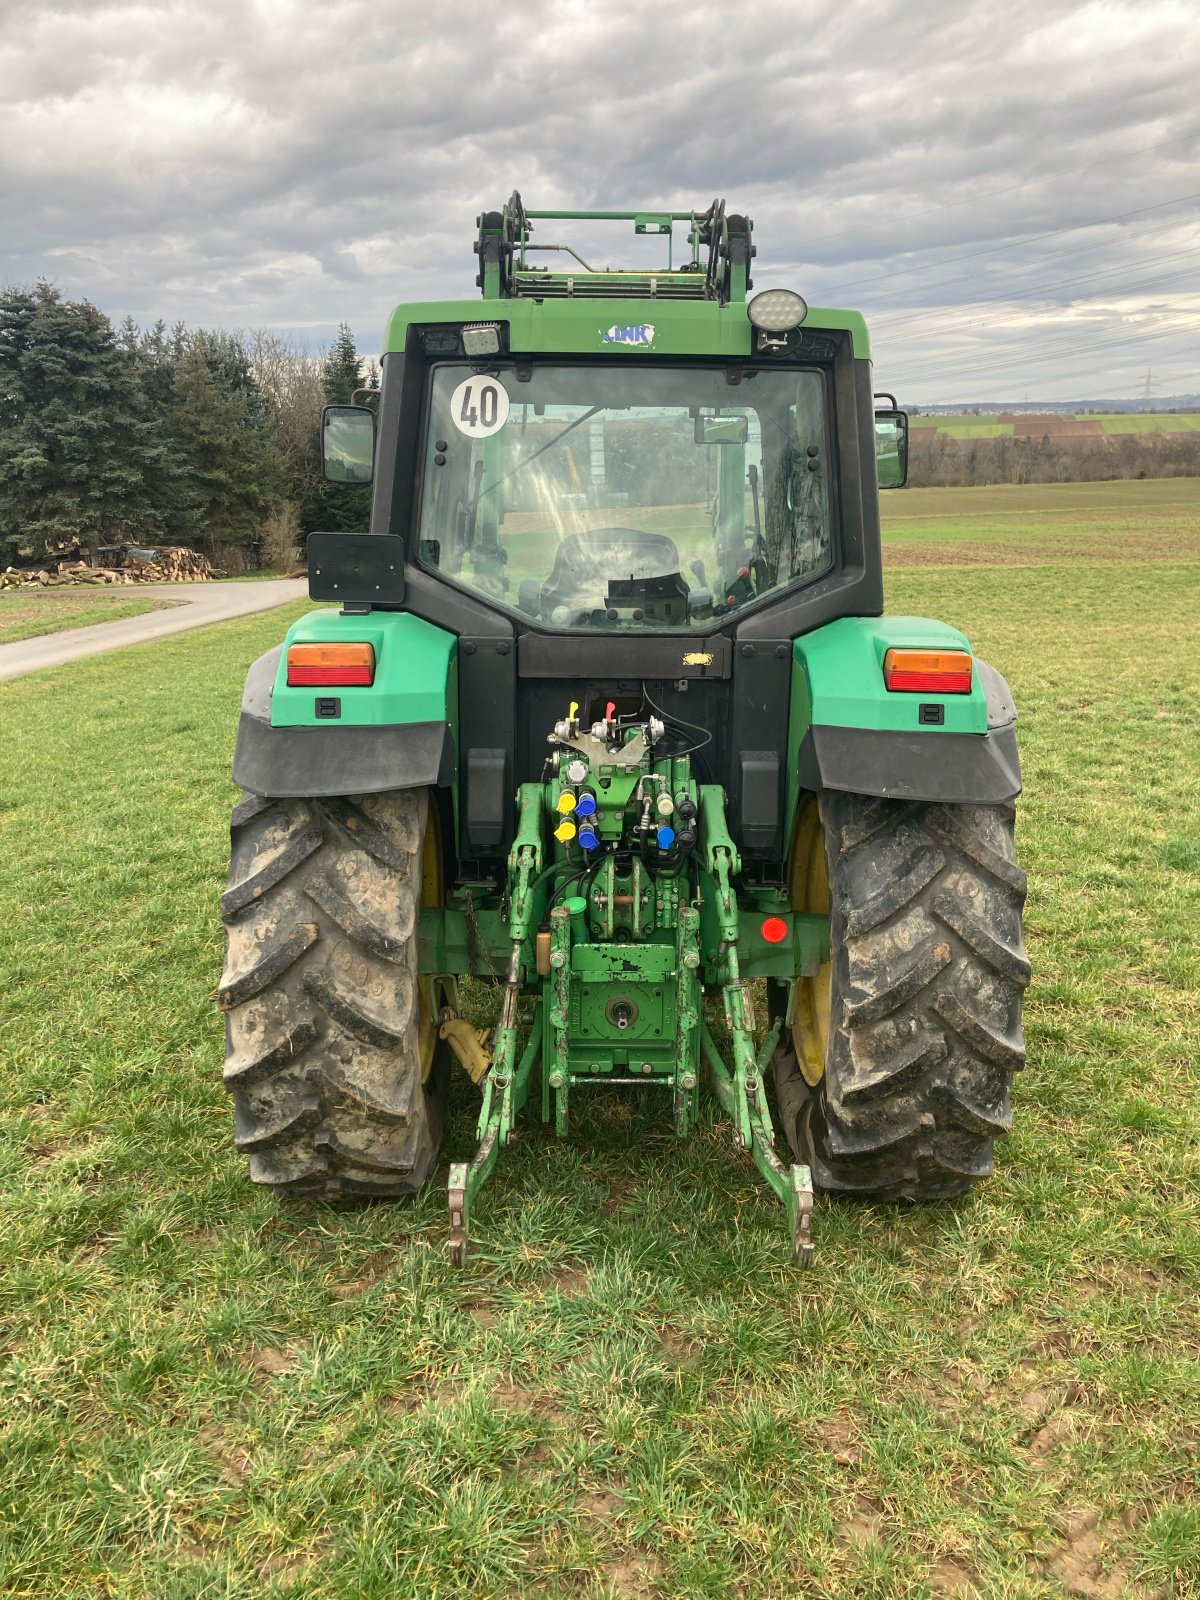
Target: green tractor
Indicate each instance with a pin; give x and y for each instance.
(608, 712)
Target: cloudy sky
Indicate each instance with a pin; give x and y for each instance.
(1010, 192)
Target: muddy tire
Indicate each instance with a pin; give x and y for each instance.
(329, 1043)
(926, 975)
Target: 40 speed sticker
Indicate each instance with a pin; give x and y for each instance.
(479, 407)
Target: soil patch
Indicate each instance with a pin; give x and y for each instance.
(234, 1460)
(599, 1503)
(680, 1349)
(840, 1438)
(376, 1268)
(272, 1363)
(864, 1527)
(634, 1576)
(1076, 1564)
(570, 1283)
(952, 1579)
(1037, 426)
(620, 1192)
(507, 1396)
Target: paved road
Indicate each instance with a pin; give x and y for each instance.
(194, 605)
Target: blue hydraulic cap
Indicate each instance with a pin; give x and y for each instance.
(588, 837)
(585, 806)
(666, 837)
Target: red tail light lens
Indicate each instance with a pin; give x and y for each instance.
(330, 665)
(928, 671)
(774, 930)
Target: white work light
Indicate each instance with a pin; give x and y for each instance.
(481, 339)
(777, 310)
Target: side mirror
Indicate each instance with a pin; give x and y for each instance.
(721, 430)
(348, 444)
(891, 449)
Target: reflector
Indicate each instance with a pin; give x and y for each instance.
(330, 664)
(928, 671)
(774, 930)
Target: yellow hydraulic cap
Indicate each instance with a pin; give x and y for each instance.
(565, 831)
(565, 802)
(574, 711)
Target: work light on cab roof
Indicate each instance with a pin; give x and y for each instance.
(606, 712)
(777, 310)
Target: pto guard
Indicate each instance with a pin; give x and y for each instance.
(849, 732)
(396, 733)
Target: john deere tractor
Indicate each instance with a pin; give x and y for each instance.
(607, 711)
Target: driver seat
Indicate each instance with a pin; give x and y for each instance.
(588, 561)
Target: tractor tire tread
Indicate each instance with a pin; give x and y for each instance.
(320, 992)
(928, 973)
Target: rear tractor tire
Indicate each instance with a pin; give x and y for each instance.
(331, 1035)
(896, 1080)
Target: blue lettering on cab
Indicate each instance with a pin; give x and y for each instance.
(641, 333)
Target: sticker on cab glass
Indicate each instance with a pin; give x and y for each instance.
(479, 407)
(639, 334)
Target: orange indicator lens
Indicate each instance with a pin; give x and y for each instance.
(928, 671)
(330, 665)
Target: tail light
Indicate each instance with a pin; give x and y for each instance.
(928, 671)
(330, 665)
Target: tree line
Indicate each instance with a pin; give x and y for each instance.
(937, 461)
(162, 436)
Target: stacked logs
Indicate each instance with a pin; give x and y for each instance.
(168, 566)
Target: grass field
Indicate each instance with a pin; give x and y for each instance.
(995, 427)
(206, 1392)
(1143, 421)
(27, 613)
(1022, 524)
(964, 427)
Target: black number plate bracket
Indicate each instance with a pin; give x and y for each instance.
(358, 569)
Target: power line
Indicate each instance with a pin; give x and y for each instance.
(1064, 352)
(992, 194)
(1020, 244)
(889, 319)
(1077, 378)
(1051, 258)
(999, 328)
(969, 367)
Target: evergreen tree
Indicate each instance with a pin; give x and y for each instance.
(340, 507)
(157, 358)
(77, 436)
(341, 370)
(232, 373)
(232, 472)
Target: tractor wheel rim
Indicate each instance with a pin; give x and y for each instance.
(809, 882)
(430, 990)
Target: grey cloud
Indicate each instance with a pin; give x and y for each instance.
(294, 164)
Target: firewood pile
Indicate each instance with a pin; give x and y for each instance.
(167, 566)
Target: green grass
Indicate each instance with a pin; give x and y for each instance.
(1143, 421)
(993, 427)
(206, 1391)
(1126, 519)
(954, 429)
(28, 613)
(253, 577)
